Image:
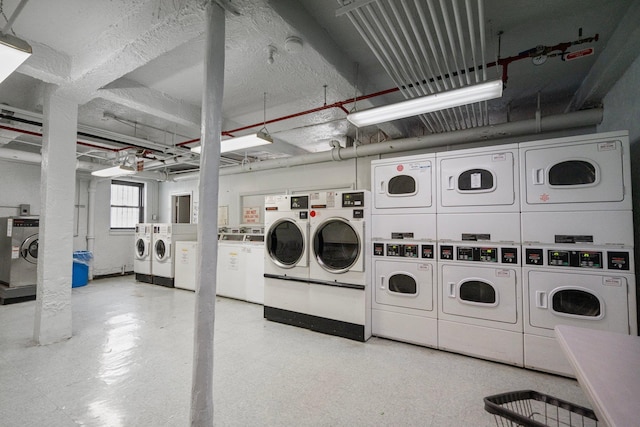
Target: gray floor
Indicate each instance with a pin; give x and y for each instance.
(129, 364)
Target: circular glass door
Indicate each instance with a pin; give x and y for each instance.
(29, 249)
(161, 250)
(141, 248)
(336, 245)
(285, 243)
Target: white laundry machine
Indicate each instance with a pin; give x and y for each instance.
(143, 249)
(232, 267)
(578, 173)
(186, 265)
(339, 280)
(404, 185)
(480, 300)
(286, 260)
(404, 287)
(479, 180)
(165, 237)
(18, 258)
(254, 251)
(579, 285)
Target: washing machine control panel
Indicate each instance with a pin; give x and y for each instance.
(479, 254)
(489, 254)
(353, 200)
(299, 202)
(403, 250)
(615, 260)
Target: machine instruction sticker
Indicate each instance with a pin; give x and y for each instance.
(476, 180)
(607, 146)
(15, 252)
(501, 157)
(612, 281)
(9, 227)
(503, 273)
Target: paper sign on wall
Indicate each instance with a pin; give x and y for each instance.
(251, 215)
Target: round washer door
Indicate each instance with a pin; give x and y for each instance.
(285, 243)
(141, 249)
(336, 245)
(29, 249)
(162, 250)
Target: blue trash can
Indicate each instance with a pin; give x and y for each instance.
(81, 260)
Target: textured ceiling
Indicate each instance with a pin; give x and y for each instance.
(135, 67)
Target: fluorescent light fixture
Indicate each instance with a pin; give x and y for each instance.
(240, 142)
(114, 171)
(13, 52)
(428, 104)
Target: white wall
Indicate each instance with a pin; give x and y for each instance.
(19, 184)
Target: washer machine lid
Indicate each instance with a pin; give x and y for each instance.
(162, 250)
(285, 243)
(142, 248)
(336, 245)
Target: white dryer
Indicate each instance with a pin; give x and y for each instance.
(479, 180)
(480, 300)
(142, 261)
(586, 286)
(339, 295)
(586, 172)
(404, 185)
(165, 237)
(286, 260)
(404, 287)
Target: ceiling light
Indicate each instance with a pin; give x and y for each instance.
(114, 171)
(241, 142)
(427, 104)
(13, 52)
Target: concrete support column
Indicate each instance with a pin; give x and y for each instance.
(57, 194)
(202, 382)
(91, 220)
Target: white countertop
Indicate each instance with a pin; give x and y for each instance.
(607, 366)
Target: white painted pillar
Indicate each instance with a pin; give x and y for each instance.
(57, 194)
(202, 381)
(91, 220)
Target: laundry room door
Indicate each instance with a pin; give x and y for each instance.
(585, 300)
(479, 292)
(578, 173)
(476, 180)
(404, 284)
(403, 183)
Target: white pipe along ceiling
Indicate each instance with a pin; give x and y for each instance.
(296, 68)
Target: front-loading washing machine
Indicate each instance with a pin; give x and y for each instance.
(165, 237)
(578, 173)
(478, 180)
(18, 258)
(286, 260)
(143, 253)
(339, 290)
(480, 300)
(404, 185)
(578, 285)
(404, 292)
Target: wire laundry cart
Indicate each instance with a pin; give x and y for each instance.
(532, 409)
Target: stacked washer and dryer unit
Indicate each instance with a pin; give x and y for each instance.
(577, 232)
(403, 267)
(529, 236)
(479, 270)
(316, 265)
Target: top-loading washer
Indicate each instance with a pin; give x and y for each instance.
(578, 173)
(340, 295)
(286, 260)
(143, 249)
(165, 237)
(478, 180)
(404, 185)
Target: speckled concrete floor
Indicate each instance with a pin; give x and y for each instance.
(129, 364)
